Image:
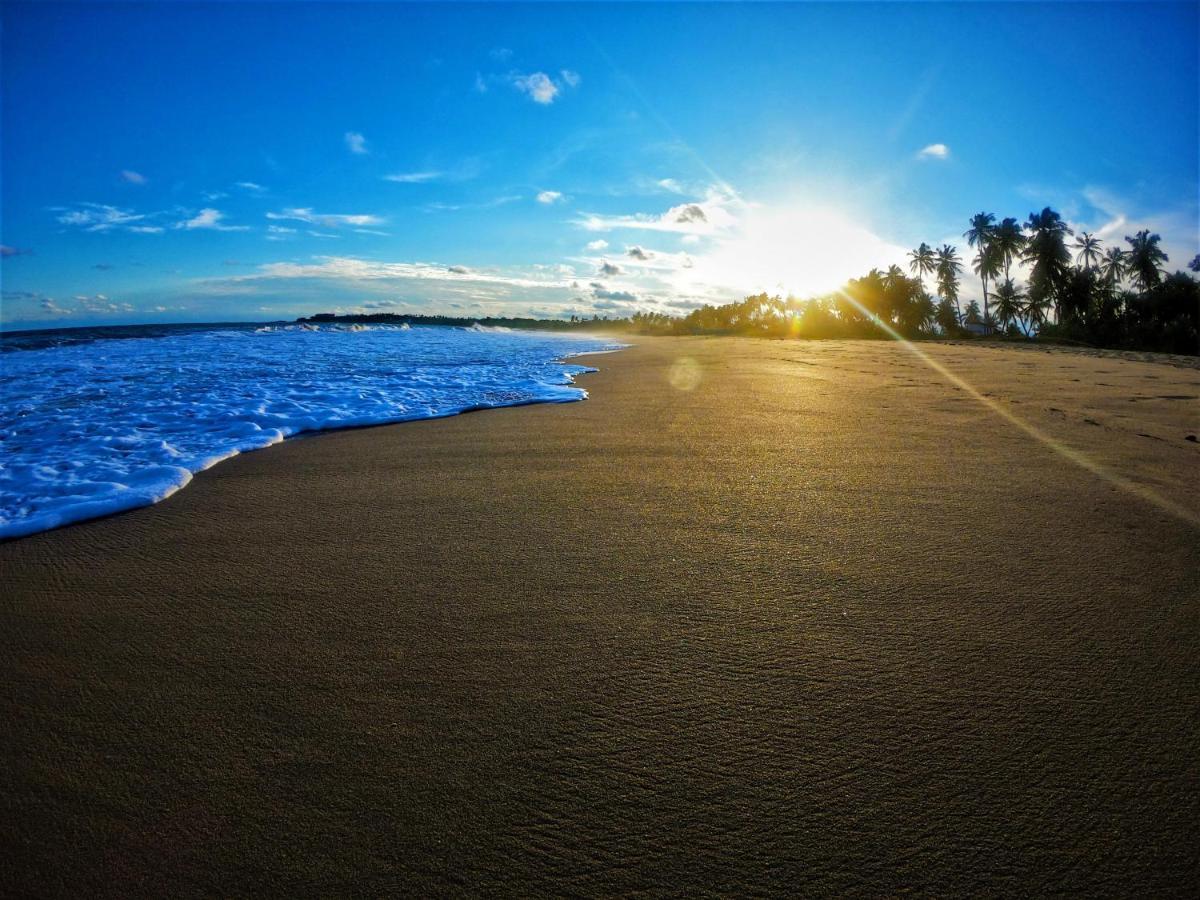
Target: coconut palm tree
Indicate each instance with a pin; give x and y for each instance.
(1036, 310)
(987, 266)
(1010, 301)
(1112, 266)
(949, 267)
(923, 262)
(1009, 241)
(979, 235)
(1046, 249)
(1088, 246)
(1144, 257)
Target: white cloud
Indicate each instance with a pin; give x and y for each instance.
(1112, 217)
(209, 219)
(100, 217)
(706, 217)
(362, 270)
(279, 232)
(251, 186)
(327, 220)
(934, 151)
(608, 270)
(670, 184)
(639, 253)
(355, 142)
(413, 177)
(570, 78)
(549, 197)
(598, 244)
(540, 87)
(99, 303)
(132, 177)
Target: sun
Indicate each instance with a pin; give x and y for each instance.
(798, 250)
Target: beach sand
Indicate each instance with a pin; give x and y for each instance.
(758, 616)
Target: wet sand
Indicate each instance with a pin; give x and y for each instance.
(757, 617)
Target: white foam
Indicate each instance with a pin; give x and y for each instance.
(94, 428)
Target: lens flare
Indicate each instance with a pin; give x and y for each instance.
(1068, 453)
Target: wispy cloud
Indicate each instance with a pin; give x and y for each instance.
(705, 217)
(36, 305)
(934, 151)
(355, 142)
(598, 244)
(364, 270)
(100, 217)
(503, 200)
(132, 177)
(251, 186)
(209, 219)
(326, 220)
(549, 197)
(414, 177)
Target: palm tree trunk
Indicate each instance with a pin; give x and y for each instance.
(983, 278)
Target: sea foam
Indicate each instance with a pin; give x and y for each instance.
(93, 427)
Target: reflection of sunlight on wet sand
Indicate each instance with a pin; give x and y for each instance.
(1140, 490)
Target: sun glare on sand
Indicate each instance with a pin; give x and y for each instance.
(798, 249)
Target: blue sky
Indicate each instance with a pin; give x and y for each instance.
(210, 162)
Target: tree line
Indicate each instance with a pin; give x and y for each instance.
(1076, 290)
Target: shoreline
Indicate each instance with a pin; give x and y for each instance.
(140, 497)
(757, 616)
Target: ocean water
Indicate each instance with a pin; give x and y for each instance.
(98, 421)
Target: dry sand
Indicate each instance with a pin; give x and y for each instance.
(821, 623)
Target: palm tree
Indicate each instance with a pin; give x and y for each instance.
(949, 267)
(979, 235)
(1035, 311)
(1088, 246)
(1046, 249)
(987, 266)
(1009, 241)
(922, 262)
(1112, 266)
(1144, 259)
(1010, 301)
